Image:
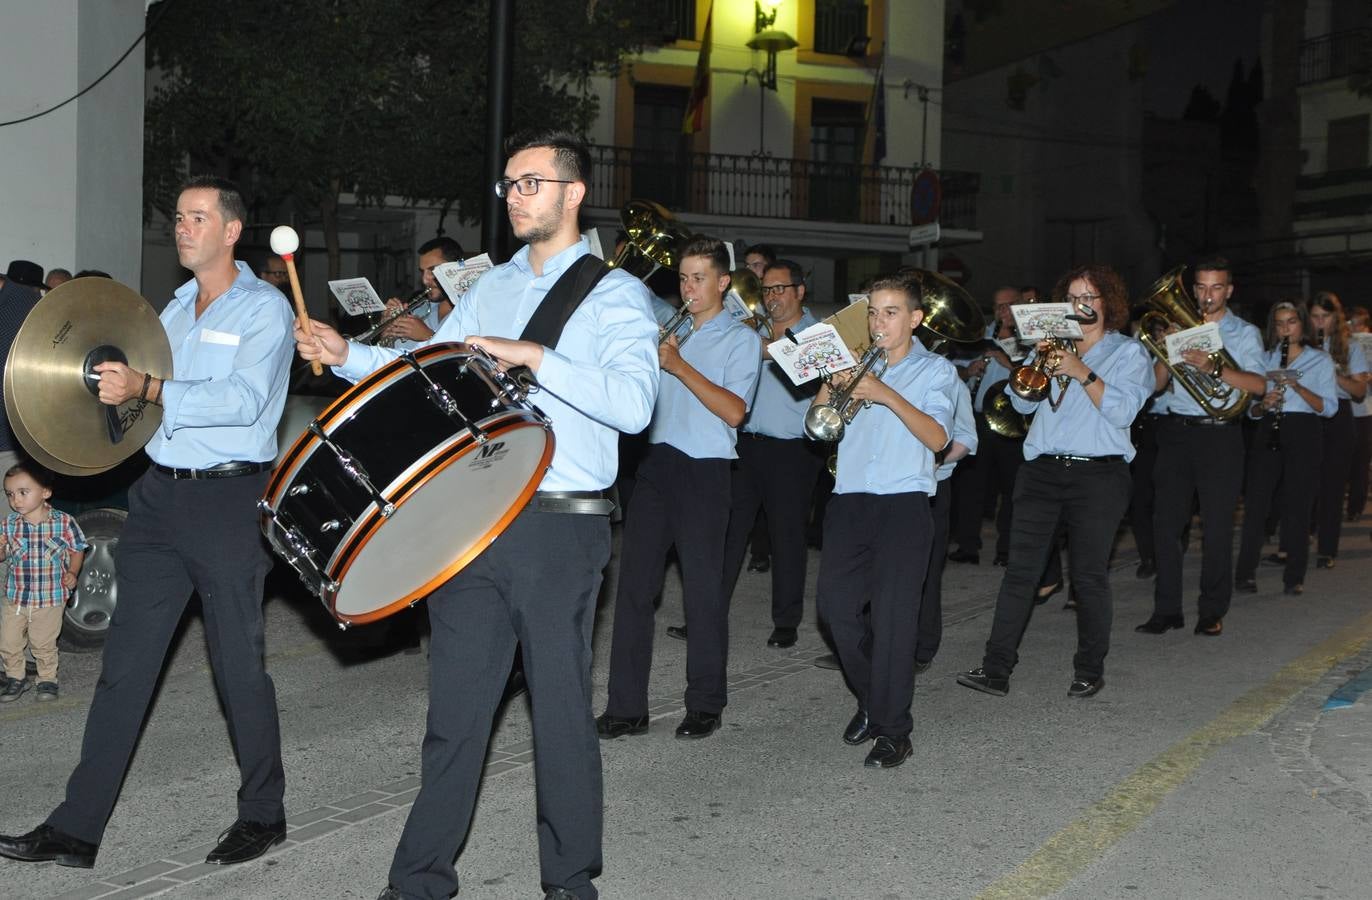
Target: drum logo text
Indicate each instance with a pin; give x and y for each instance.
(488, 455)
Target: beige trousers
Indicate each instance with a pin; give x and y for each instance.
(38, 628)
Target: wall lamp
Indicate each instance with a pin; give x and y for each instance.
(764, 19)
(772, 41)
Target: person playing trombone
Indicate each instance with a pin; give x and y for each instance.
(878, 528)
(1076, 472)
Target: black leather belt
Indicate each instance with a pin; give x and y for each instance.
(223, 470)
(757, 436)
(1072, 460)
(583, 503)
(1195, 421)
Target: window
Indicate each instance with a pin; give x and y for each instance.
(679, 20)
(838, 23)
(1348, 143)
(838, 132)
(659, 159)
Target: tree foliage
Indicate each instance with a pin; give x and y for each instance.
(305, 100)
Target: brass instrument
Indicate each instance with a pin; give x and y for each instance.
(950, 313)
(1034, 382)
(655, 238)
(1169, 304)
(1274, 437)
(828, 420)
(747, 287)
(1001, 415)
(412, 303)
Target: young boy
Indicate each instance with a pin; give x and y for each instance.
(44, 547)
(878, 528)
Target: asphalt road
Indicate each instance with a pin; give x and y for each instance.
(1206, 768)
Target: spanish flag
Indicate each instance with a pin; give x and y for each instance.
(694, 120)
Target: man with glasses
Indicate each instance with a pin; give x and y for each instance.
(537, 585)
(1200, 455)
(274, 272)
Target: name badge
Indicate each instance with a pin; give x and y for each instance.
(210, 336)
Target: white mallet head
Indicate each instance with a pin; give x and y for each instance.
(284, 241)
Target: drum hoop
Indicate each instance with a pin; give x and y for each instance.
(348, 551)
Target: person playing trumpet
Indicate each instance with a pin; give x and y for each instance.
(409, 331)
(1075, 472)
(878, 528)
(681, 497)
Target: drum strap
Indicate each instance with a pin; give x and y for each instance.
(546, 324)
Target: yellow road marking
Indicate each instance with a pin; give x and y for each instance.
(1067, 853)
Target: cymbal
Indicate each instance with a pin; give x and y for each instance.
(49, 395)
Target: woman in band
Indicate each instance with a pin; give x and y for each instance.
(1350, 386)
(1076, 471)
(1288, 438)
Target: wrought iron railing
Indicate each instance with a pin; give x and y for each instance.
(1336, 55)
(678, 20)
(837, 23)
(772, 187)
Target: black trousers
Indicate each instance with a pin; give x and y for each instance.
(875, 547)
(182, 536)
(535, 587)
(1204, 460)
(991, 471)
(779, 477)
(1335, 458)
(1089, 498)
(683, 502)
(1142, 506)
(1294, 464)
(930, 632)
(1362, 458)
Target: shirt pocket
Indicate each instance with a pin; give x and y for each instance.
(214, 360)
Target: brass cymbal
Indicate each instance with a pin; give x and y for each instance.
(52, 408)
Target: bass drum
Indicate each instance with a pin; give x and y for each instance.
(404, 480)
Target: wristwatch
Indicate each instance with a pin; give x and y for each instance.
(1091, 378)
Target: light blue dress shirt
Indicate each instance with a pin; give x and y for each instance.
(964, 431)
(1357, 365)
(994, 371)
(431, 319)
(779, 410)
(600, 380)
(1243, 341)
(230, 372)
(727, 353)
(1078, 427)
(1317, 376)
(878, 454)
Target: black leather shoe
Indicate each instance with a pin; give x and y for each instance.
(888, 752)
(922, 666)
(1147, 569)
(389, 893)
(1294, 589)
(698, 725)
(760, 564)
(1161, 624)
(559, 894)
(1246, 586)
(245, 840)
(828, 661)
(1274, 559)
(1324, 562)
(1210, 626)
(1082, 687)
(782, 638)
(978, 680)
(859, 730)
(676, 631)
(610, 727)
(965, 556)
(47, 844)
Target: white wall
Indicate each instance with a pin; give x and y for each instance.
(72, 179)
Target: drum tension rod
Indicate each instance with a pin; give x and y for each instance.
(354, 470)
(444, 401)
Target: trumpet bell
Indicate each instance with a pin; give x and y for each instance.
(824, 423)
(1030, 382)
(1001, 416)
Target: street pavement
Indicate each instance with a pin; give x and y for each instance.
(1228, 767)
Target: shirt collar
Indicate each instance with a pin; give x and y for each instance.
(185, 295)
(554, 265)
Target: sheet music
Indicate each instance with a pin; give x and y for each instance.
(816, 351)
(356, 296)
(1204, 337)
(457, 277)
(1036, 321)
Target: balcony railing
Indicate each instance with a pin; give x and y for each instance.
(773, 188)
(1336, 55)
(837, 23)
(679, 20)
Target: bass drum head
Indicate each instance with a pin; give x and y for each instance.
(444, 524)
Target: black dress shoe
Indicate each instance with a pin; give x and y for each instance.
(389, 893)
(1147, 569)
(828, 661)
(782, 638)
(698, 725)
(922, 666)
(888, 752)
(676, 631)
(978, 680)
(1246, 586)
(1324, 562)
(1274, 559)
(1210, 626)
(1294, 589)
(965, 556)
(1085, 687)
(559, 894)
(45, 844)
(760, 564)
(859, 730)
(245, 840)
(1042, 595)
(1001, 560)
(610, 727)
(1161, 624)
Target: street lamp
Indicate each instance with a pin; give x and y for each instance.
(772, 41)
(764, 19)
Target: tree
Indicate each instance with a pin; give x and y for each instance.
(306, 100)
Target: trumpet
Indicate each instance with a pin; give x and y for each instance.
(412, 303)
(1034, 382)
(828, 420)
(682, 317)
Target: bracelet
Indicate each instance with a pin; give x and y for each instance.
(147, 380)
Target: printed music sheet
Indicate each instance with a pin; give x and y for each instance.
(1037, 321)
(457, 277)
(1204, 337)
(813, 353)
(356, 296)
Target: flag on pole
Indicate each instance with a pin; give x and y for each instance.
(877, 113)
(694, 120)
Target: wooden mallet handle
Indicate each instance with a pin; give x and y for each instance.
(284, 243)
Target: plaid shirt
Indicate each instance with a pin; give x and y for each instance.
(37, 555)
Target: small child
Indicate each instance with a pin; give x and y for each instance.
(44, 547)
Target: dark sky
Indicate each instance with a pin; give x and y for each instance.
(1197, 41)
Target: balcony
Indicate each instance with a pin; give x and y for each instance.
(1334, 194)
(774, 188)
(1335, 55)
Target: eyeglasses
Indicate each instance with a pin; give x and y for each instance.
(527, 186)
(777, 289)
(1082, 298)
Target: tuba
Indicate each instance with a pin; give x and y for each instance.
(1002, 417)
(747, 288)
(950, 313)
(655, 237)
(1169, 304)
